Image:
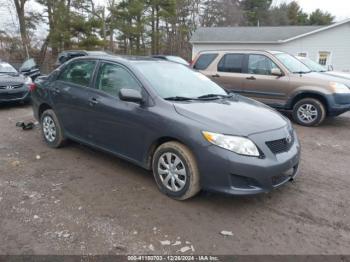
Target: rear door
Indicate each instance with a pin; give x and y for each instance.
(261, 85)
(71, 94)
(230, 72)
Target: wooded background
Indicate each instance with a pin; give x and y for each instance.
(136, 27)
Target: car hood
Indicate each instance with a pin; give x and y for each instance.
(343, 75)
(6, 80)
(236, 116)
(315, 77)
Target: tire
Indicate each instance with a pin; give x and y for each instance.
(51, 125)
(186, 171)
(309, 112)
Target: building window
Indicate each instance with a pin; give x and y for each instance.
(323, 58)
(302, 54)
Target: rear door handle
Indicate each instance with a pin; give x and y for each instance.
(251, 78)
(93, 101)
(216, 75)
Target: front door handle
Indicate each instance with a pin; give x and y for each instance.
(251, 78)
(93, 101)
(216, 75)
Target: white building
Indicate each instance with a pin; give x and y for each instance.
(328, 45)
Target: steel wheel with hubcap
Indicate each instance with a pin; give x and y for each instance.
(172, 172)
(309, 112)
(175, 171)
(51, 129)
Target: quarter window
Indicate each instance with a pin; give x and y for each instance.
(231, 63)
(112, 78)
(79, 73)
(204, 61)
(260, 65)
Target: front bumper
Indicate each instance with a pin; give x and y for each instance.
(338, 104)
(230, 173)
(17, 94)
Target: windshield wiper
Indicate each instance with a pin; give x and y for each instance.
(214, 96)
(179, 98)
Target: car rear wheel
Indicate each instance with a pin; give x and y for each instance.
(175, 171)
(309, 112)
(51, 129)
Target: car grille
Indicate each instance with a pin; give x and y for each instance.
(280, 145)
(12, 95)
(12, 86)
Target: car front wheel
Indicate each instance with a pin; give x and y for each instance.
(51, 129)
(175, 171)
(309, 112)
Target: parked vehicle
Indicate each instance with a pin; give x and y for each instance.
(13, 85)
(143, 110)
(316, 67)
(30, 68)
(70, 54)
(172, 58)
(278, 80)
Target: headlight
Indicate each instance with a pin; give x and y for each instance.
(339, 88)
(237, 144)
(28, 80)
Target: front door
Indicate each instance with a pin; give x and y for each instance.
(70, 94)
(117, 125)
(260, 84)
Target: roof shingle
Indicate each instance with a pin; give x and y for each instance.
(249, 34)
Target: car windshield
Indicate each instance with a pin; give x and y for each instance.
(6, 68)
(171, 80)
(315, 67)
(177, 60)
(292, 64)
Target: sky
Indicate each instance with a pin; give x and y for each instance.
(339, 8)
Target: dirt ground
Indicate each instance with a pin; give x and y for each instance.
(76, 200)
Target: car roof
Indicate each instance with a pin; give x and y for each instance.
(240, 50)
(120, 58)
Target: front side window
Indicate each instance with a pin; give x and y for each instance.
(231, 63)
(79, 72)
(260, 65)
(112, 78)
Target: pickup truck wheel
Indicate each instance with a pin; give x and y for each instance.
(309, 112)
(51, 129)
(175, 171)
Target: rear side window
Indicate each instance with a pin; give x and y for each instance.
(231, 63)
(79, 72)
(204, 61)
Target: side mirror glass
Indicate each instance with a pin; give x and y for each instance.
(276, 72)
(130, 95)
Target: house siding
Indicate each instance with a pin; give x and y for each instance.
(335, 40)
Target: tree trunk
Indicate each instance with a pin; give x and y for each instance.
(22, 25)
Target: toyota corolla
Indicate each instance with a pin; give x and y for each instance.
(170, 120)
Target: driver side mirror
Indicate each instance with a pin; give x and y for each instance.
(276, 72)
(130, 95)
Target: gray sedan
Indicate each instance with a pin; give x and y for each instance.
(171, 120)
